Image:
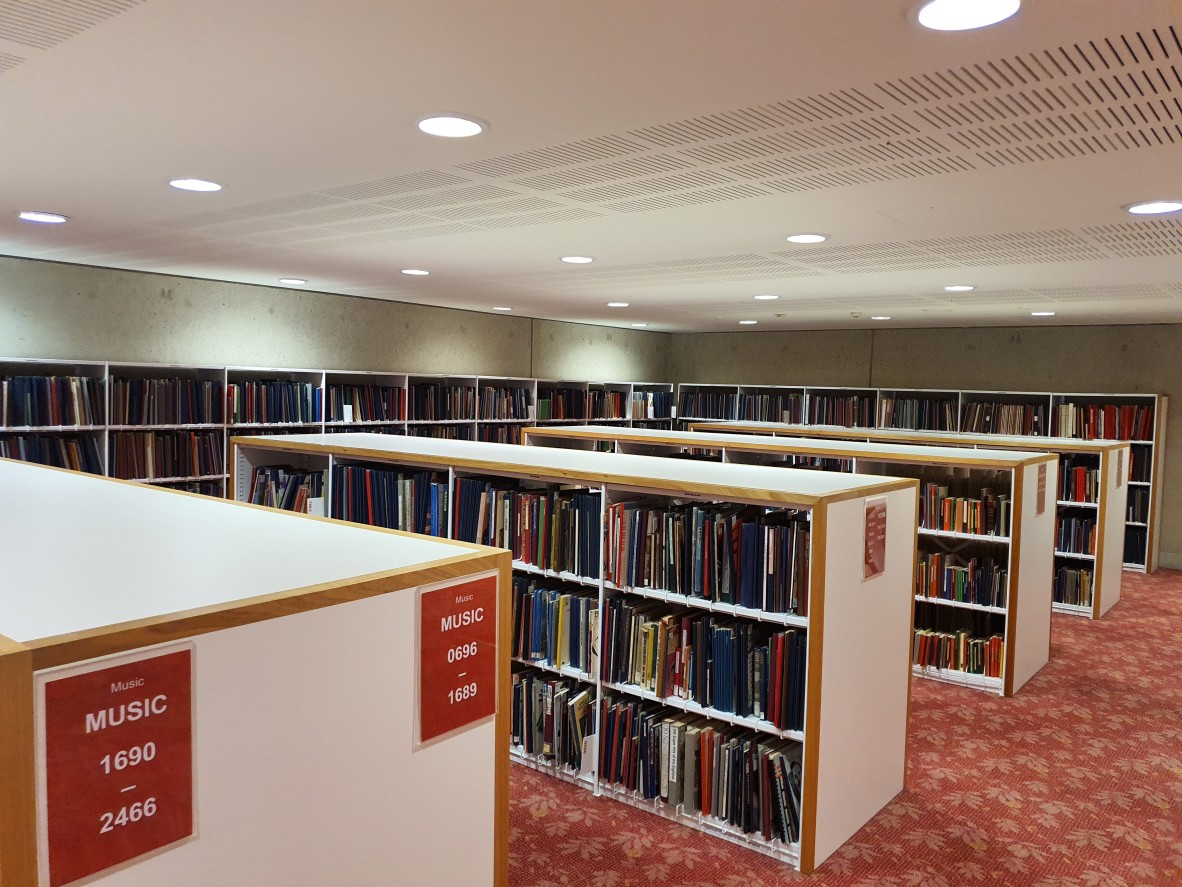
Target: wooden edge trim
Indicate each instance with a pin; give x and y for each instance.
(559, 475)
(911, 637)
(504, 724)
(82, 645)
(1019, 504)
(1101, 535)
(812, 714)
(18, 794)
(1155, 491)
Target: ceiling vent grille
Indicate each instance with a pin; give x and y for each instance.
(690, 198)
(1133, 293)
(420, 181)
(496, 208)
(634, 167)
(449, 198)
(44, 25)
(8, 62)
(389, 223)
(685, 181)
(1159, 237)
(1006, 249)
(586, 151)
(429, 231)
(868, 258)
(561, 215)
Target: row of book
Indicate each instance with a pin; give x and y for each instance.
(652, 405)
(1076, 535)
(284, 487)
(852, 410)
(414, 501)
(201, 487)
(1079, 479)
(147, 455)
(442, 432)
(778, 407)
(507, 434)
(959, 651)
(733, 554)
(504, 402)
(561, 403)
(1073, 586)
(1137, 504)
(740, 667)
(605, 404)
(706, 405)
(1004, 418)
(1136, 539)
(166, 401)
(1094, 421)
(1140, 464)
(551, 717)
(272, 401)
(747, 781)
(34, 401)
(77, 453)
(917, 414)
(363, 403)
(942, 507)
(552, 529)
(435, 401)
(945, 576)
(820, 463)
(555, 625)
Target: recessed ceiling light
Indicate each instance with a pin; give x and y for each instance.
(1042, 313)
(617, 304)
(807, 238)
(415, 272)
(964, 15)
(501, 308)
(748, 322)
(958, 288)
(1154, 207)
(452, 126)
(33, 215)
(293, 281)
(880, 317)
(578, 260)
(640, 325)
(765, 297)
(195, 185)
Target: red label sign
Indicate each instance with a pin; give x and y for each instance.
(1120, 468)
(1040, 501)
(874, 559)
(458, 656)
(118, 763)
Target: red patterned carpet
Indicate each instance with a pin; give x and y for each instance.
(1075, 782)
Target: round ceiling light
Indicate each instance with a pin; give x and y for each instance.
(880, 317)
(452, 126)
(578, 260)
(965, 15)
(617, 304)
(34, 215)
(807, 238)
(415, 272)
(1042, 313)
(501, 308)
(748, 322)
(194, 185)
(959, 288)
(1154, 207)
(293, 281)
(765, 297)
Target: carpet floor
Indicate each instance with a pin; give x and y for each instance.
(1074, 782)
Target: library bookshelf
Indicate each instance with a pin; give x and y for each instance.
(1138, 419)
(1095, 500)
(290, 702)
(588, 607)
(1017, 606)
(169, 424)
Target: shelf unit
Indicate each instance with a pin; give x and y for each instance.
(1023, 611)
(141, 572)
(1083, 585)
(999, 413)
(853, 629)
(146, 416)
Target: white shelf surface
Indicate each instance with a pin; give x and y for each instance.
(188, 551)
(1072, 609)
(971, 537)
(1075, 554)
(674, 597)
(1070, 503)
(963, 678)
(964, 605)
(788, 485)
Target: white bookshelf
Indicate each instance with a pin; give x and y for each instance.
(1022, 618)
(848, 775)
(138, 572)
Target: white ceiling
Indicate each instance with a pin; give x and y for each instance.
(677, 143)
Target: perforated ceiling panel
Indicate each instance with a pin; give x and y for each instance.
(43, 25)
(1159, 237)
(9, 61)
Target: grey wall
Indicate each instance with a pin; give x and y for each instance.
(1113, 359)
(48, 309)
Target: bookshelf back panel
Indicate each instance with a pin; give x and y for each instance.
(1034, 582)
(1111, 565)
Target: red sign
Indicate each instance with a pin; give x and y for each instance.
(118, 763)
(1120, 468)
(874, 559)
(457, 656)
(1040, 501)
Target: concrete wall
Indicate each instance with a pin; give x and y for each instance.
(48, 309)
(1115, 359)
